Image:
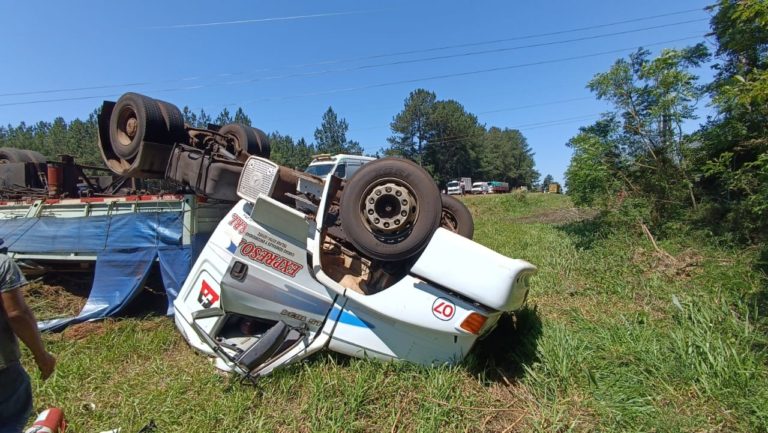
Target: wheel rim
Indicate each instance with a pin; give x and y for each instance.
(389, 209)
(449, 221)
(127, 126)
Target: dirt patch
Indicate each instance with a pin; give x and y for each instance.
(557, 216)
(84, 330)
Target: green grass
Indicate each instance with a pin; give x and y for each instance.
(616, 337)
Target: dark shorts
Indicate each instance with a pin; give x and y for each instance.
(15, 398)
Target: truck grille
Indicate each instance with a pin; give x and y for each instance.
(259, 177)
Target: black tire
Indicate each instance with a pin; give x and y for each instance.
(174, 121)
(250, 141)
(390, 224)
(456, 217)
(9, 154)
(135, 119)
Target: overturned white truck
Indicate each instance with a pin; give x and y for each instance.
(301, 263)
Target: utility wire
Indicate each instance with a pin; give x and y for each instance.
(452, 56)
(536, 125)
(371, 86)
(520, 107)
(462, 74)
(378, 56)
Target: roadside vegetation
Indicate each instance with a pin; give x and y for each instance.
(649, 311)
(617, 335)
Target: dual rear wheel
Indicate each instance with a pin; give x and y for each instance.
(391, 207)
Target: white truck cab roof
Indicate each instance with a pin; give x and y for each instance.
(341, 165)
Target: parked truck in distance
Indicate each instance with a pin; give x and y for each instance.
(497, 187)
(461, 186)
(480, 188)
(341, 165)
(554, 188)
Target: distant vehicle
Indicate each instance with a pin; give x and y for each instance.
(480, 188)
(343, 166)
(497, 187)
(554, 188)
(455, 186)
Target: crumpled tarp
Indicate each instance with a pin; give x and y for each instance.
(126, 246)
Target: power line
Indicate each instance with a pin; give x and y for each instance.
(542, 104)
(519, 107)
(556, 121)
(378, 56)
(258, 20)
(371, 86)
(452, 56)
(461, 74)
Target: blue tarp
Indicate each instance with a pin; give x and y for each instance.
(125, 245)
(92, 234)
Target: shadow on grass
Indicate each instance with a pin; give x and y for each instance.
(505, 353)
(586, 232)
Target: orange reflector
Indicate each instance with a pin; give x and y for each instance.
(473, 323)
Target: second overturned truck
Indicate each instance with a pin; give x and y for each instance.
(374, 265)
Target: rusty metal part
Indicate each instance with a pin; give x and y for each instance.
(448, 221)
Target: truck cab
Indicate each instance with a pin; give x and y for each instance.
(341, 165)
(480, 188)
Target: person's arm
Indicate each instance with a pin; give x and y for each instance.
(24, 325)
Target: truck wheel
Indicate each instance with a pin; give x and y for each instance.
(249, 141)
(135, 118)
(174, 121)
(390, 208)
(456, 217)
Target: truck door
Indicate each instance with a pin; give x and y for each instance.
(274, 308)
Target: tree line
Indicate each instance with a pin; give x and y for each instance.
(636, 161)
(440, 135)
(451, 143)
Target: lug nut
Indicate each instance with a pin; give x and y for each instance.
(386, 225)
(403, 214)
(398, 193)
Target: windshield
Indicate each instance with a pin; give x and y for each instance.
(477, 185)
(453, 184)
(319, 169)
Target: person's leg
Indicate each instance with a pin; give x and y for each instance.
(15, 399)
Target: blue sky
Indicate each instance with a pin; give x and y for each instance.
(514, 64)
